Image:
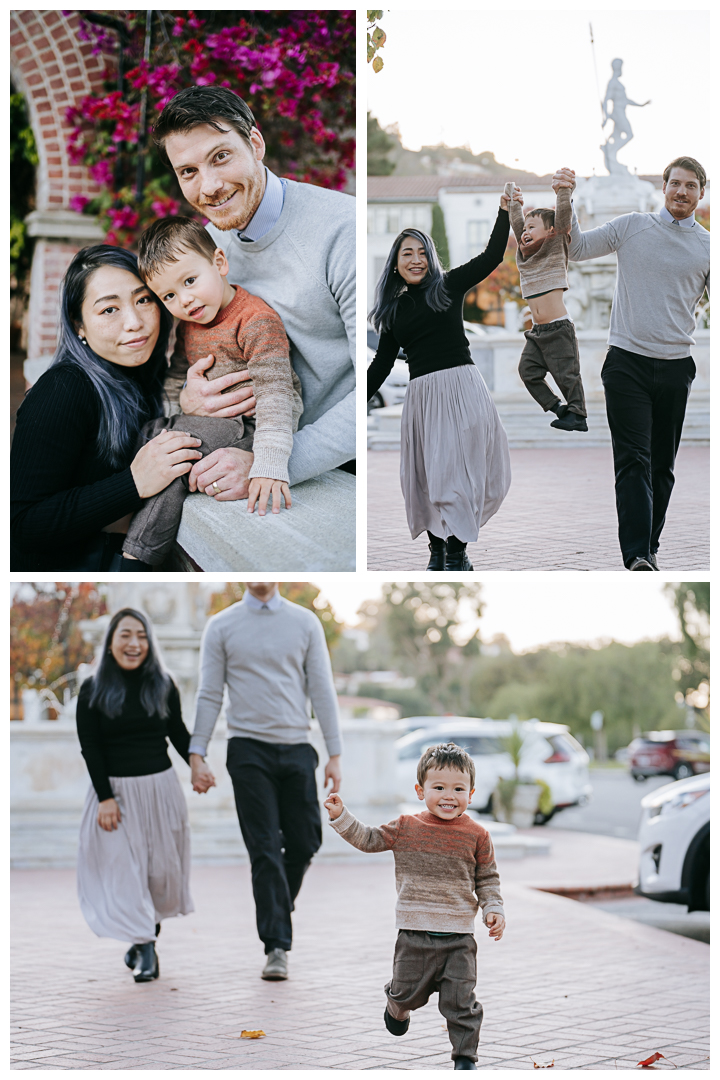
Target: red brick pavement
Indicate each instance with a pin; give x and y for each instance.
(558, 515)
(569, 982)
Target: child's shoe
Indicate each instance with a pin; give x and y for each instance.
(465, 1063)
(570, 422)
(397, 1027)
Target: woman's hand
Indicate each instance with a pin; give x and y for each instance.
(204, 397)
(563, 178)
(161, 460)
(260, 490)
(109, 815)
(517, 195)
(334, 806)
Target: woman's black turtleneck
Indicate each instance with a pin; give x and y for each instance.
(435, 340)
(131, 744)
(63, 491)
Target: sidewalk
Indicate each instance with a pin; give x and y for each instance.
(568, 982)
(559, 515)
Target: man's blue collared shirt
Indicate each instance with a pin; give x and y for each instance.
(272, 604)
(687, 223)
(268, 211)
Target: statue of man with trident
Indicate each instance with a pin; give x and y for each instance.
(622, 133)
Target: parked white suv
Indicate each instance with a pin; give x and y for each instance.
(550, 753)
(675, 844)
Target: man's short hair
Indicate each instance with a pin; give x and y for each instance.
(691, 165)
(445, 756)
(163, 241)
(547, 215)
(197, 105)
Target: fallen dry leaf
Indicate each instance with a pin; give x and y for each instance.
(543, 1064)
(252, 1034)
(649, 1062)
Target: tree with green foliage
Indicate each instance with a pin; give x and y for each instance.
(422, 622)
(379, 144)
(439, 236)
(298, 592)
(691, 600)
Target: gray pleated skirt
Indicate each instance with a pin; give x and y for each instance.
(454, 457)
(137, 875)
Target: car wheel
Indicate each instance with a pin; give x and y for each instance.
(375, 402)
(682, 772)
(639, 777)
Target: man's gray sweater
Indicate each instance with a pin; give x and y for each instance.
(304, 268)
(663, 271)
(271, 661)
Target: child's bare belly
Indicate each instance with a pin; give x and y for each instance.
(549, 306)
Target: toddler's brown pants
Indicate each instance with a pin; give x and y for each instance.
(424, 964)
(553, 347)
(154, 527)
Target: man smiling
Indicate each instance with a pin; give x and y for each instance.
(293, 245)
(663, 269)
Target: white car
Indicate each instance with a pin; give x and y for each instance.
(393, 390)
(550, 753)
(675, 844)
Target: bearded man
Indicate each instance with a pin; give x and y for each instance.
(289, 243)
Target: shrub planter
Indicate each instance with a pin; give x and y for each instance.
(516, 803)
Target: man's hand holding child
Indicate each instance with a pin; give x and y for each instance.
(334, 806)
(495, 923)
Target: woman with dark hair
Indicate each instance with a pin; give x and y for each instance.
(134, 854)
(76, 473)
(454, 458)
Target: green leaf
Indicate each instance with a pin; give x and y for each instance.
(378, 64)
(379, 37)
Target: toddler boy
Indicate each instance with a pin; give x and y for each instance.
(178, 260)
(543, 238)
(444, 870)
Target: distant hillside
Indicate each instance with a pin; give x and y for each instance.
(439, 160)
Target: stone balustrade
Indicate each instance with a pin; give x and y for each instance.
(526, 425)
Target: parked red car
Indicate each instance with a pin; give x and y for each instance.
(669, 753)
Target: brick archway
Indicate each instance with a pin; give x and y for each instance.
(53, 69)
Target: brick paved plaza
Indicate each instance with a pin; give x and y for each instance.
(569, 982)
(558, 515)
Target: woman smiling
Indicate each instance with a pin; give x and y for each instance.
(454, 457)
(76, 477)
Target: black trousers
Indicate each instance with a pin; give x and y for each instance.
(279, 814)
(646, 400)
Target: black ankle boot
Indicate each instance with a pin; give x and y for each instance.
(464, 1063)
(437, 553)
(456, 555)
(147, 965)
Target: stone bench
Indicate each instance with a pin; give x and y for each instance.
(318, 533)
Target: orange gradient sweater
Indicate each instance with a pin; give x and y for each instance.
(444, 870)
(249, 335)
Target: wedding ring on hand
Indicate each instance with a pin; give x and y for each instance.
(215, 485)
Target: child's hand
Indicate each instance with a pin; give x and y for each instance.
(334, 806)
(495, 924)
(260, 490)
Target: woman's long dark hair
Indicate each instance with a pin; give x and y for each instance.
(127, 398)
(391, 286)
(109, 684)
